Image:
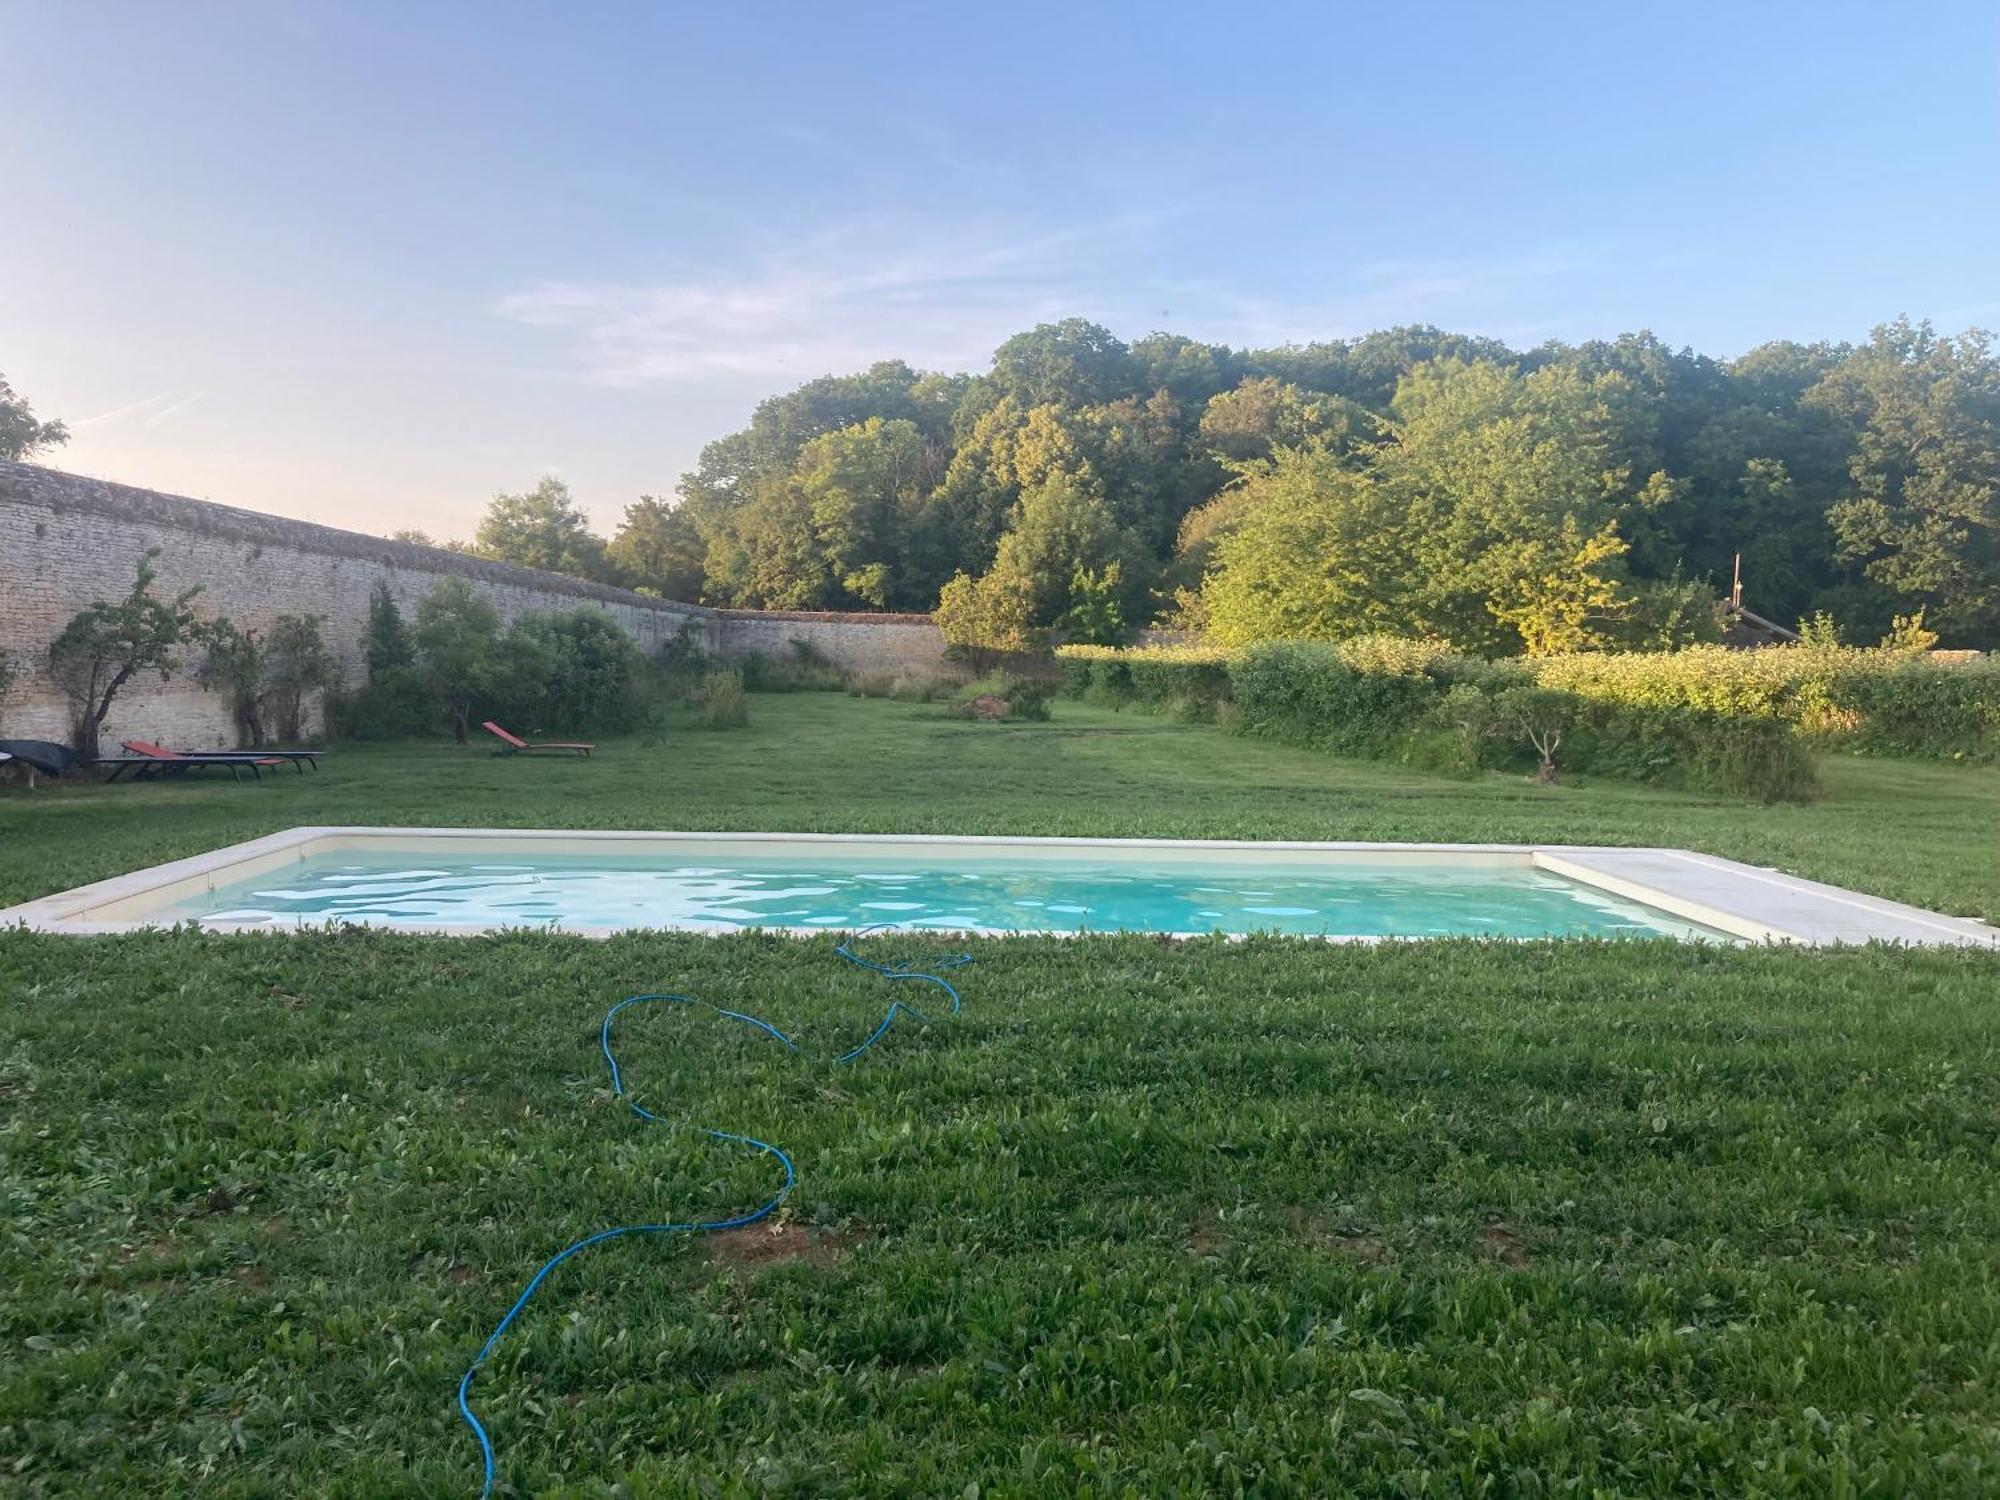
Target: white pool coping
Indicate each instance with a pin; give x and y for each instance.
(1737, 900)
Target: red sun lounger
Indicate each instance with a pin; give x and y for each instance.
(149, 759)
(514, 745)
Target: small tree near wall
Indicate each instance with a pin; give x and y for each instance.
(457, 634)
(296, 663)
(386, 645)
(234, 667)
(107, 645)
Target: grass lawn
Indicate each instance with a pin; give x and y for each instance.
(1275, 1218)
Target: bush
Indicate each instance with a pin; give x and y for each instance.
(1191, 681)
(1024, 697)
(569, 670)
(1421, 703)
(804, 669)
(719, 702)
(394, 704)
(1881, 698)
(1028, 697)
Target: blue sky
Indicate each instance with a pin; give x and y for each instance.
(367, 263)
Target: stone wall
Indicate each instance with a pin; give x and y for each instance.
(67, 541)
(865, 644)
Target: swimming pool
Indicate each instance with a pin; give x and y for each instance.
(600, 883)
(1380, 898)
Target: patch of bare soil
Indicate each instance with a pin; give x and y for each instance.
(784, 1244)
(1365, 1249)
(1505, 1245)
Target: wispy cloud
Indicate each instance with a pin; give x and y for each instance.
(151, 411)
(942, 298)
(167, 414)
(864, 290)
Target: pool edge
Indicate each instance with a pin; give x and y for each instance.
(1744, 902)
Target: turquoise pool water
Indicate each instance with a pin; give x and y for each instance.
(1382, 899)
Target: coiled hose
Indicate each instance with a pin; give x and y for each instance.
(893, 972)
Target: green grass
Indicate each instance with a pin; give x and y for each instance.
(1923, 833)
(1273, 1218)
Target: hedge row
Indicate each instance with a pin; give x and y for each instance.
(1423, 705)
(1191, 681)
(1870, 699)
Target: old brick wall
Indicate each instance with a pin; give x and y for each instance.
(865, 644)
(67, 541)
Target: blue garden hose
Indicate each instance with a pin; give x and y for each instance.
(892, 972)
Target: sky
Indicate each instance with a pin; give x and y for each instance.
(367, 264)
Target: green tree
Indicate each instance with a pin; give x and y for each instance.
(1071, 363)
(1317, 550)
(659, 549)
(457, 638)
(541, 528)
(106, 645)
(232, 664)
(385, 642)
(1264, 413)
(864, 485)
(296, 664)
(1509, 489)
(1063, 533)
(983, 619)
(21, 436)
(1922, 513)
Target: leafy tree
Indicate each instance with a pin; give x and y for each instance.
(296, 663)
(1071, 363)
(266, 680)
(457, 635)
(864, 484)
(106, 645)
(658, 550)
(983, 619)
(233, 665)
(732, 468)
(1063, 534)
(1264, 413)
(385, 643)
(540, 529)
(1922, 514)
(21, 436)
(1317, 551)
(1508, 490)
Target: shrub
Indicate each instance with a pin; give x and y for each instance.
(1421, 703)
(386, 643)
(719, 701)
(393, 704)
(1191, 681)
(683, 661)
(1024, 697)
(570, 670)
(804, 669)
(1028, 698)
(296, 663)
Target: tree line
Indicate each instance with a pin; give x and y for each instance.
(1412, 480)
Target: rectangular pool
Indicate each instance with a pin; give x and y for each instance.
(599, 883)
(1378, 898)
